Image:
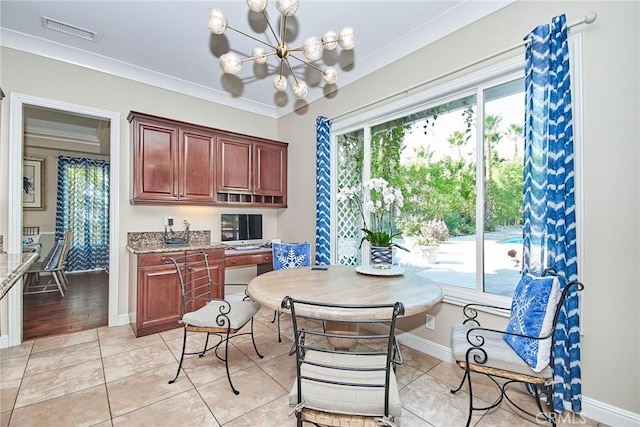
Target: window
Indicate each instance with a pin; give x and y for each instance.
(457, 156)
(83, 207)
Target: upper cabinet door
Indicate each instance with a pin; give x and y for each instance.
(155, 157)
(197, 165)
(235, 165)
(270, 169)
(183, 163)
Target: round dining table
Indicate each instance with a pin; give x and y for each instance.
(342, 284)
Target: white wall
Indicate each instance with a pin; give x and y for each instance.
(610, 345)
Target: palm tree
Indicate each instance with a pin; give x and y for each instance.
(491, 137)
(515, 133)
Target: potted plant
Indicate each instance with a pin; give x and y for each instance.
(432, 233)
(384, 202)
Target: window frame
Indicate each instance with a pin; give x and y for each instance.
(474, 82)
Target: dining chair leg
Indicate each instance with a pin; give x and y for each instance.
(464, 377)
(276, 316)
(279, 337)
(226, 364)
(253, 338)
(184, 348)
(61, 278)
(206, 344)
(58, 282)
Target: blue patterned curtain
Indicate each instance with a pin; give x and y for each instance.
(323, 191)
(83, 206)
(549, 202)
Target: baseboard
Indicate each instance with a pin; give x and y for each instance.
(608, 414)
(4, 341)
(123, 319)
(431, 348)
(591, 408)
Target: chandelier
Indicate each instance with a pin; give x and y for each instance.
(312, 48)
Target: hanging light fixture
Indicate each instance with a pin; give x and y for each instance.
(312, 48)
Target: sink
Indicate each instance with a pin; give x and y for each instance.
(184, 240)
(176, 242)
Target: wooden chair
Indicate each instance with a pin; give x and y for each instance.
(206, 314)
(500, 355)
(53, 264)
(30, 231)
(345, 387)
(289, 255)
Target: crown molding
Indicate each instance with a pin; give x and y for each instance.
(37, 46)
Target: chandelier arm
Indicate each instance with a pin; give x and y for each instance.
(271, 28)
(253, 58)
(306, 62)
(290, 69)
(284, 30)
(251, 37)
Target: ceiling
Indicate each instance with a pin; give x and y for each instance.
(167, 43)
(45, 128)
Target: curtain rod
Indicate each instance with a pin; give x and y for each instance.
(588, 19)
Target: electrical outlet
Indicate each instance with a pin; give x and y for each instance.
(168, 221)
(431, 322)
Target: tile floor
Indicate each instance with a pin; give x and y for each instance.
(107, 377)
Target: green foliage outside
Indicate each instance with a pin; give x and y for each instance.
(446, 188)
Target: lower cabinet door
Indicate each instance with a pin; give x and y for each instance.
(159, 305)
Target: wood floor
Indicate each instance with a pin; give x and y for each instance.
(84, 306)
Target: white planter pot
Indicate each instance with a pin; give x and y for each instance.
(430, 253)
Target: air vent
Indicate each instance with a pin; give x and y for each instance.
(69, 29)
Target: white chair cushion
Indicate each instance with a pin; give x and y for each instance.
(337, 399)
(500, 354)
(206, 316)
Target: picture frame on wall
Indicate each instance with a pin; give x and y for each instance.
(33, 189)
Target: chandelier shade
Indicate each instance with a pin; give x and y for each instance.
(312, 48)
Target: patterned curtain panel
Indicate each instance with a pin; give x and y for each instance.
(323, 191)
(83, 206)
(549, 202)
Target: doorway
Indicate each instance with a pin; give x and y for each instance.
(16, 152)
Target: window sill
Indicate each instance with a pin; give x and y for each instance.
(458, 296)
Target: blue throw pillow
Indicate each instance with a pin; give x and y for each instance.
(532, 310)
(292, 255)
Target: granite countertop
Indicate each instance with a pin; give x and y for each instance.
(160, 247)
(153, 242)
(12, 267)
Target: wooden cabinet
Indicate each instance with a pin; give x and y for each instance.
(251, 172)
(158, 296)
(155, 160)
(183, 163)
(197, 160)
(261, 258)
(235, 165)
(270, 171)
(172, 163)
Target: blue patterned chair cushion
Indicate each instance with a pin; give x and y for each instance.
(532, 310)
(291, 255)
